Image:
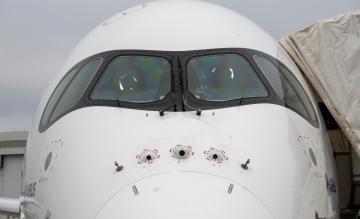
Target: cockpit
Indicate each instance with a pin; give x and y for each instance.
(177, 81)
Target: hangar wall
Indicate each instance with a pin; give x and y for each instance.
(12, 149)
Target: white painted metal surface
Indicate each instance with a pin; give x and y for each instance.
(10, 205)
(81, 181)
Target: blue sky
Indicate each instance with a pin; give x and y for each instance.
(36, 36)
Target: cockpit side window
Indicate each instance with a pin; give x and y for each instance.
(56, 96)
(288, 88)
(68, 92)
(223, 77)
(76, 88)
(134, 79)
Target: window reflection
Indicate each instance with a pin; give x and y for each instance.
(223, 77)
(137, 79)
(288, 88)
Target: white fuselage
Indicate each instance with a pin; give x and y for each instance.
(70, 166)
(281, 182)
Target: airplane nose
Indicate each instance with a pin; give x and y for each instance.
(184, 195)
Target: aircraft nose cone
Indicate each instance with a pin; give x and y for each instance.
(184, 195)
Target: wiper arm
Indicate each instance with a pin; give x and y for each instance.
(172, 105)
(198, 110)
(240, 100)
(122, 103)
(119, 102)
(162, 111)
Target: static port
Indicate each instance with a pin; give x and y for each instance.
(147, 156)
(215, 155)
(182, 153)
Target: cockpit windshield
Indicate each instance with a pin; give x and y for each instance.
(136, 79)
(177, 81)
(223, 77)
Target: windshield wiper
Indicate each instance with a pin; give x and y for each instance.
(198, 110)
(162, 111)
(119, 102)
(240, 100)
(172, 105)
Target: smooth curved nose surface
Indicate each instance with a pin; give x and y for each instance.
(184, 195)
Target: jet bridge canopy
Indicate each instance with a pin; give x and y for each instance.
(328, 52)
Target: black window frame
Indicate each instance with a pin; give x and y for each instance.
(43, 126)
(85, 100)
(109, 56)
(70, 84)
(276, 62)
(154, 105)
(196, 103)
(78, 67)
(175, 99)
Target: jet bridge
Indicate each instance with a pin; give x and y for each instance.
(328, 53)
